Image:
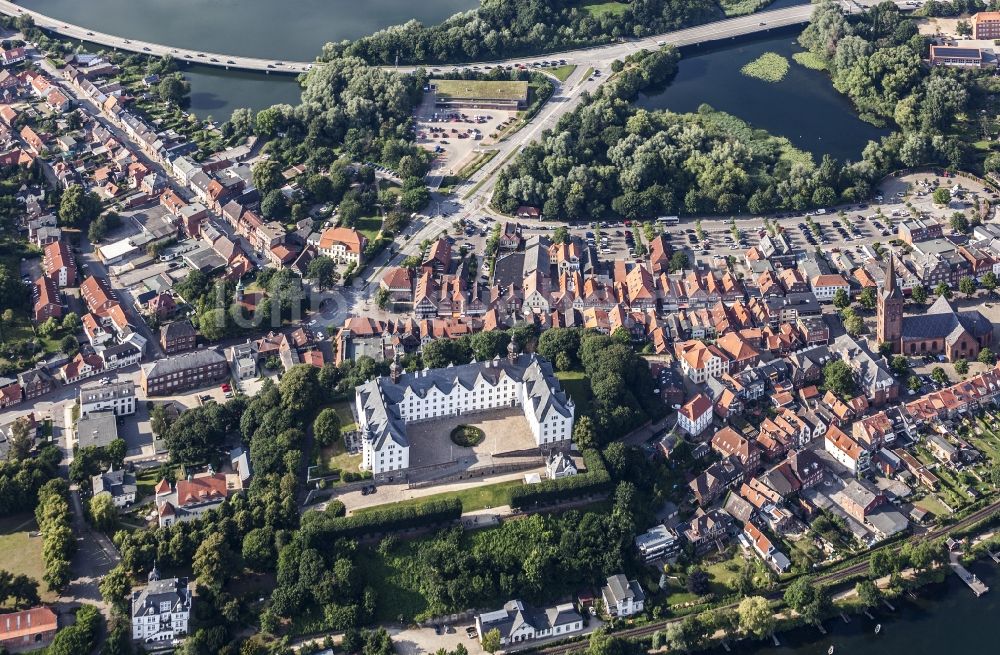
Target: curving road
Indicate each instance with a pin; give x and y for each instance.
(596, 55)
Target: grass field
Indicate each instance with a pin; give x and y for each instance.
(490, 495)
(563, 72)
(22, 553)
(388, 576)
(598, 8)
(481, 89)
(343, 410)
(577, 385)
(369, 226)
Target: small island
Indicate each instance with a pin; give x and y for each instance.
(769, 67)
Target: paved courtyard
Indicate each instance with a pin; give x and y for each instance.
(506, 430)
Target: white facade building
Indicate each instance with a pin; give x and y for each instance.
(386, 405)
(517, 622)
(622, 597)
(118, 397)
(161, 610)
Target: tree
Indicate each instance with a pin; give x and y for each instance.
(213, 561)
(21, 441)
(963, 28)
(172, 89)
(854, 325)
(324, 270)
(697, 581)
(989, 282)
(679, 261)
(967, 285)
(961, 366)
(939, 376)
(867, 298)
(267, 176)
(941, 196)
(881, 563)
(913, 383)
(115, 587)
(756, 617)
(274, 205)
(959, 223)
(491, 641)
(299, 388)
(841, 299)
(584, 433)
(382, 298)
(987, 357)
(869, 595)
(69, 345)
(78, 207)
(561, 235)
(71, 322)
(942, 289)
(48, 327)
(326, 427)
(900, 365)
(839, 378)
(918, 294)
(103, 512)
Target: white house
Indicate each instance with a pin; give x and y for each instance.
(343, 245)
(846, 450)
(825, 286)
(696, 415)
(120, 485)
(119, 397)
(622, 597)
(161, 610)
(560, 465)
(385, 406)
(518, 622)
(699, 361)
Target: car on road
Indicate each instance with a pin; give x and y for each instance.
(230, 62)
(90, 34)
(146, 48)
(215, 60)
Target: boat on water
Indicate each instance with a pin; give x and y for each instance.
(830, 652)
(878, 628)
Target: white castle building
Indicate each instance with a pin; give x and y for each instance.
(386, 405)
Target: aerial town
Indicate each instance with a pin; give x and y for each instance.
(441, 361)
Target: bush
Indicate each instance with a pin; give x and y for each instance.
(389, 519)
(467, 436)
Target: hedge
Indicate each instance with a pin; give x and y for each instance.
(390, 519)
(595, 479)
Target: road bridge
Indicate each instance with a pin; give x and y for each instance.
(591, 56)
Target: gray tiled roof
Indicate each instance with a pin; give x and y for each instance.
(380, 396)
(941, 321)
(179, 363)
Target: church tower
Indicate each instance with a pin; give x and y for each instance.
(889, 310)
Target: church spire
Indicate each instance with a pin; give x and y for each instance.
(891, 290)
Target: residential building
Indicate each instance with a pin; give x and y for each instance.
(97, 429)
(59, 264)
(695, 416)
(28, 629)
(920, 229)
(161, 609)
(559, 465)
(622, 597)
(189, 499)
(117, 397)
(386, 404)
(182, 372)
(46, 299)
(518, 622)
(178, 336)
(715, 480)
(35, 383)
(986, 25)
(659, 542)
(825, 287)
(846, 450)
(700, 361)
(120, 485)
(343, 245)
(765, 549)
(727, 442)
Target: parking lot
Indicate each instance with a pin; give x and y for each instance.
(457, 135)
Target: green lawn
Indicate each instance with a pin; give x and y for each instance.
(22, 553)
(930, 503)
(490, 495)
(369, 226)
(480, 89)
(145, 482)
(577, 385)
(343, 410)
(563, 72)
(598, 8)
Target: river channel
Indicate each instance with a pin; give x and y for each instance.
(945, 619)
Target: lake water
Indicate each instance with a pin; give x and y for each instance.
(947, 619)
(283, 29)
(804, 106)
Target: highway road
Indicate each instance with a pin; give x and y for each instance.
(599, 55)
